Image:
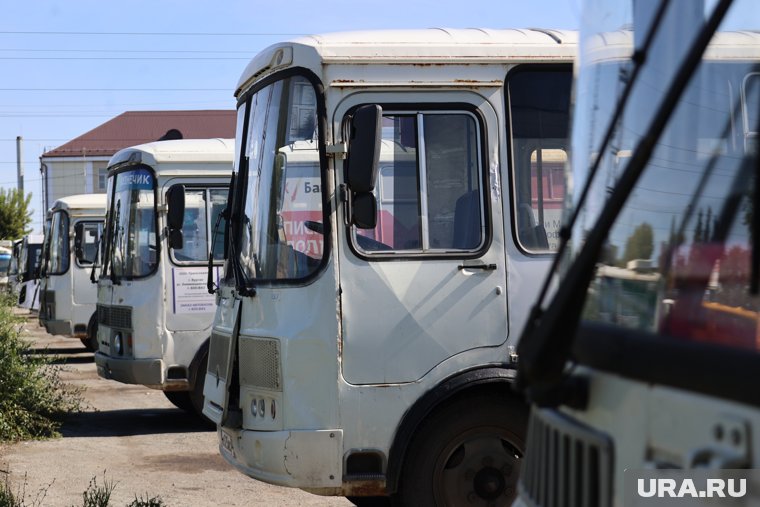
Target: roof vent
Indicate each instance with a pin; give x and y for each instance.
(171, 135)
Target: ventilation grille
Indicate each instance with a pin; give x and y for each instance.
(260, 363)
(115, 316)
(566, 464)
(217, 355)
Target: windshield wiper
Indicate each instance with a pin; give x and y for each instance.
(96, 262)
(754, 272)
(242, 282)
(544, 346)
(210, 285)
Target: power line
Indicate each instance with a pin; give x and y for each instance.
(123, 58)
(114, 89)
(149, 51)
(26, 139)
(163, 34)
(58, 115)
(114, 107)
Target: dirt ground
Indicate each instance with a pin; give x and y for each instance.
(134, 437)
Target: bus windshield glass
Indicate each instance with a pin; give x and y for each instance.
(58, 257)
(280, 232)
(5, 261)
(30, 260)
(13, 266)
(132, 242)
(677, 260)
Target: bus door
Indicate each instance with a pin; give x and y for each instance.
(189, 305)
(429, 281)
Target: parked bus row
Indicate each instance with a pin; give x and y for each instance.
(362, 292)
(365, 242)
(125, 271)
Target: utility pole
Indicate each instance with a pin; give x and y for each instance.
(19, 165)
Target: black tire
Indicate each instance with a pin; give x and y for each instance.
(467, 453)
(196, 394)
(370, 501)
(180, 399)
(91, 341)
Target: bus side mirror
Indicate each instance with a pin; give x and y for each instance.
(362, 164)
(364, 211)
(175, 201)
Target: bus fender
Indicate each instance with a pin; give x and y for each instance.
(490, 376)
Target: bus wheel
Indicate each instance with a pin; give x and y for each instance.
(91, 341)
(467, 453)
(180, 399)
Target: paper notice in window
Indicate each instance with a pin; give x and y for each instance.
(190, 293)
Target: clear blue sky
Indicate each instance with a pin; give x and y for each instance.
(67, 66)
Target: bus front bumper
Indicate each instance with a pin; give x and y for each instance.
(147, 372)
(305, 459)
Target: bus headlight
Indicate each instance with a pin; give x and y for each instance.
(254, 407)
(117, 344)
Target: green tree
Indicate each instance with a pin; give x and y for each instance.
(640, 244)
(15, 215)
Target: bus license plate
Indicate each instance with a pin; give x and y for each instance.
(227, 442)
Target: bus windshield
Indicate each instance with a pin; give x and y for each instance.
(280, 231)
(58, 253)
(5, 261)
(131, 235)
(30, 260)
(677, 261)
(13, 266)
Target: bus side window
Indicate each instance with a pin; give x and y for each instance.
(429, 191)
(539, 117)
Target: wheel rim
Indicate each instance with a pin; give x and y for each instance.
(480, 468)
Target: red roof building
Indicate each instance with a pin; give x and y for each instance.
(79, 166)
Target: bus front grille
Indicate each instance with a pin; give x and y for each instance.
(566, 464)
(217, 355)
(260, 363)
(115, 316)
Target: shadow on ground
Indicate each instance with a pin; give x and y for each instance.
(56, 351)
(63, 355)
(131, 422)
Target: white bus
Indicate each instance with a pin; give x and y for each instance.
(645, 374)
(23, 272)
(67, 297)
(154, 308)
(389, 225)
